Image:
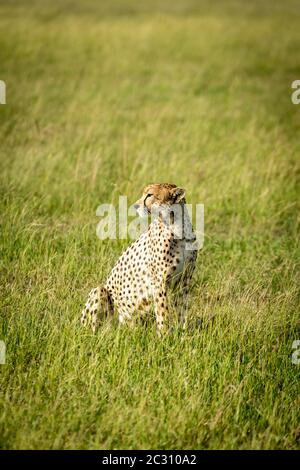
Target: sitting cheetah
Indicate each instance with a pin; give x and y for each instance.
(163, 256)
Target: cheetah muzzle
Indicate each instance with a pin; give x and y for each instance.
(162, 257)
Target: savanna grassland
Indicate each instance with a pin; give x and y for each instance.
(103, 98)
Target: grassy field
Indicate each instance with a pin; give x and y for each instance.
(103, 98)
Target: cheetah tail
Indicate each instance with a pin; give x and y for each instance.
(98, 306)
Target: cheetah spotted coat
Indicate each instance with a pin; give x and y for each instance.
(156, 261)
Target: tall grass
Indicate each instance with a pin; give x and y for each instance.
(103, 98)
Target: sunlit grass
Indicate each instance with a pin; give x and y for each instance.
(103, 98)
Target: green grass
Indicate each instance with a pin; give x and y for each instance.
(103, 98)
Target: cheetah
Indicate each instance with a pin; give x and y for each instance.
(163, 257)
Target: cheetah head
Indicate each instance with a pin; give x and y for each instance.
(157, 197)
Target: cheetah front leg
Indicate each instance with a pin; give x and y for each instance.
(181, 304)
(161, 310)
(181, 300)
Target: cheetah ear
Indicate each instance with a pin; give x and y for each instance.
(178, 194)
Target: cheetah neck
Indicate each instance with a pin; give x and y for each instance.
(178, 222)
